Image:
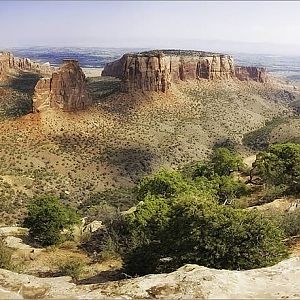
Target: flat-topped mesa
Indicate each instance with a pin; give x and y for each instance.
(10, 63)
(156, 70)
(65, 90)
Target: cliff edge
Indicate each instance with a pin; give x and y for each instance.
(156, 70)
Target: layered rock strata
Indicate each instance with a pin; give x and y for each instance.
(251, 73)
(156, 70)
(66, 89)
(9, 63)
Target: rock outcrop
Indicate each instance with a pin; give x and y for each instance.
(66, 89)
(9, 63)
(156, 70)
(251, 73)
(189, 282)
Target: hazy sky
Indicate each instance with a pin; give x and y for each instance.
(269, 27)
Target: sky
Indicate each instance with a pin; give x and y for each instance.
(235, 26)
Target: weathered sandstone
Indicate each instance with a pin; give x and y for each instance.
(251, 73)
(66, 89)
(156, 70)
(189, 282)
(9, 63)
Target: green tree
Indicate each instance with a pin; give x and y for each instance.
(224, 162)
(229, 188)
(280, 165)
(165, 183)
(198, 230)
(46, 218)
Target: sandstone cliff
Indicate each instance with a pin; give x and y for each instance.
(251, 73)
(9, 63)
(156, 70)
(66, 89)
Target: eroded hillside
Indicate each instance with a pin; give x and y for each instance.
(125, 136)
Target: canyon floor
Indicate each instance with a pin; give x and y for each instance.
(124, 137)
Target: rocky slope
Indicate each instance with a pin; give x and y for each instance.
(66, 89)
(156, 70)
(10, 64)
(190, 281)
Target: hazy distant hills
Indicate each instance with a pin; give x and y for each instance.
(283, 66)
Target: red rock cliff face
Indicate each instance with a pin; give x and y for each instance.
(251, 73)
(153, 71)
(9, 63)
(156, 70)
(66, 89)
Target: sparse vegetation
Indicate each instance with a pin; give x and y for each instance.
(5, 256)
(72, 267)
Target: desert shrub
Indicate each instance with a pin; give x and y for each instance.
(291, 223)
(224, 162)
(273, 192)
(71, 267)
(5, 256)
(198, 230)
(226, 143)
(46, 218)
(229, 188)
(165, 183)
(280, 165)
(100, 205)
(259, 139)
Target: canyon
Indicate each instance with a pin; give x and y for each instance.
(157, 70)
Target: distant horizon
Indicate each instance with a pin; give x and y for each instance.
(149, 48)
(258, 27)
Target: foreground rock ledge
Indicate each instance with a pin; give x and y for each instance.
(190, 281)
(66, 89)
(156, 70)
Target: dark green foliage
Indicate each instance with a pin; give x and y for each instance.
(46, 218)
(165, 183)
(198, 230)
(228, 188)
(280, 165)
(224, 162)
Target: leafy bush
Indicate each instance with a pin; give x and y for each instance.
(280, 165)
(222, 162)
(46, 218)
(195, 229)
(165, 183)
(225, 162)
